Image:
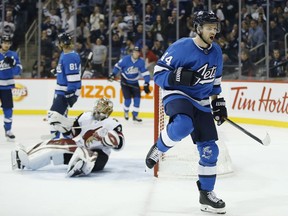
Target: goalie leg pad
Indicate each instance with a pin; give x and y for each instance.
(82, 162)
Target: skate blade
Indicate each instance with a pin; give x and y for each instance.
(207, 208)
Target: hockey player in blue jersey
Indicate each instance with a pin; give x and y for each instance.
(68, 73)
(132, 67)
(190, 73)
(10, 66)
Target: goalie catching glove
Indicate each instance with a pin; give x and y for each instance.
(186, 77)
(82, 162)
(219, 110)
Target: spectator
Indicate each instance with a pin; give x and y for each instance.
(277, 65)
(100, 33)
(149, 17)
(83, 51)
(131, 19)
(53, 17)
(83, 33)
(95, 18)
(276, 34)
(158, 49)
(150, 59)
(161, 10)
(158, 29)
(248, 68)
(46, 45)
(256, 37)
(99, 57)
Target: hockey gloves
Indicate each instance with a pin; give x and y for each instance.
(219, 110)
(181, 76)
(111, 78)
(10, 61)
(71, 99)
(146, 88)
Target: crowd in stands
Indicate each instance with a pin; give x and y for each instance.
(18, 16)
(91, 21)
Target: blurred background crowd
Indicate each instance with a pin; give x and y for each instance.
(253, 33)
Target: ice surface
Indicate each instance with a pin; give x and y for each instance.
(258, 186)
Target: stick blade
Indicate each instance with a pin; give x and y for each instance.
(266, 141)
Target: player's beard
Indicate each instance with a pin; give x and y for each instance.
(208, 40)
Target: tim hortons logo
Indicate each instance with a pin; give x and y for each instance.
(265, 102)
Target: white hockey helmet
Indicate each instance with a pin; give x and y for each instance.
(102, 109)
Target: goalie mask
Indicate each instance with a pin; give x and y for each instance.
(102, 109)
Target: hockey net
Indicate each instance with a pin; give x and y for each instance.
(181, 161)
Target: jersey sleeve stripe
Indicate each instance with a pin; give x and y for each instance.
(146, 73)
(73, 77)
(158, 68)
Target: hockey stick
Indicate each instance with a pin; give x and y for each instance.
(266, 141)
(89, 58)
(126, 84)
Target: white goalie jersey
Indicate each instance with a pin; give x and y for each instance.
(93, 134)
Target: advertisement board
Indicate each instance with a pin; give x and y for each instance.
(251, 102)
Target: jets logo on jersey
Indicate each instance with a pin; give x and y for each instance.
(132, 70)
(207, 74)
(4, 66)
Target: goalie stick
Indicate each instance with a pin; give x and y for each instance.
(266, 141)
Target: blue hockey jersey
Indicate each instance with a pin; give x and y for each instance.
(187, 54)
(6, 72)
(132, 69)
(68, 74)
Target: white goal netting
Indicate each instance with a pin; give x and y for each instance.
(181, 161)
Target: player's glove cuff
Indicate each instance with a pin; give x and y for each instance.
(219, 110)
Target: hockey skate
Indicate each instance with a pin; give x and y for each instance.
(136, 119)
(153, 156)
(209, 202)
(15, 160)
(126, 115)
(10, 136)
